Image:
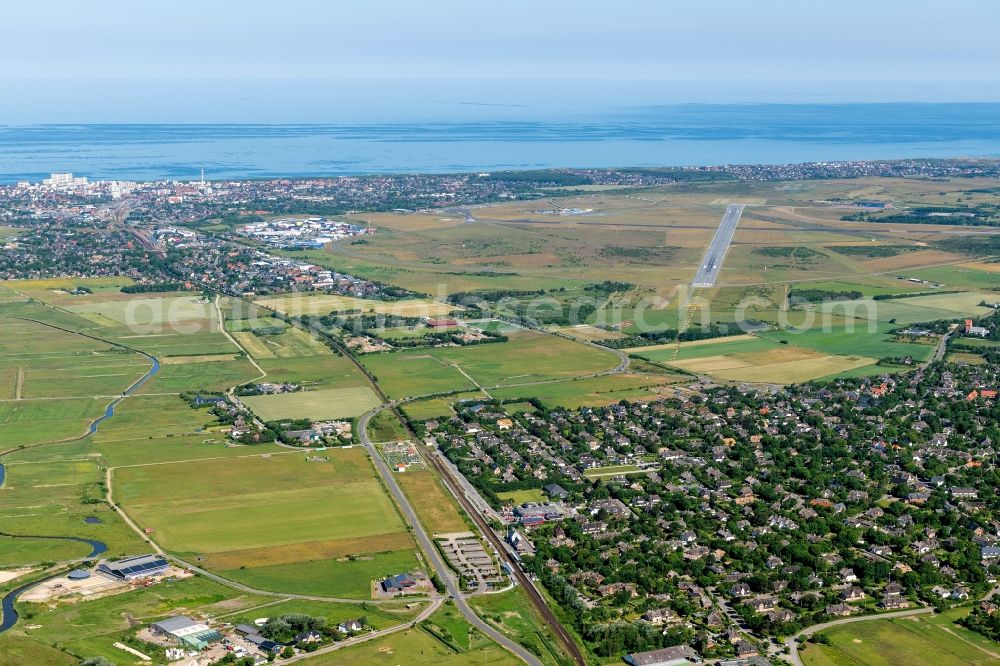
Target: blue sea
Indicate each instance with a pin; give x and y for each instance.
(674, 135)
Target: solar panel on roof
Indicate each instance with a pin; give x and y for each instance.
(135, 566)
(146, 566)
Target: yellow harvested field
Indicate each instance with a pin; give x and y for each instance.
(203, 358)
(909, 260)
(980, 266)
(254, 345)
(778, 366)
(321, 304)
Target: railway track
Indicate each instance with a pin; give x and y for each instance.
(529, 587)
(456, 489)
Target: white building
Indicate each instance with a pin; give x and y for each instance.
(62, 180)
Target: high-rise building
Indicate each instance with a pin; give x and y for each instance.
(58, 180)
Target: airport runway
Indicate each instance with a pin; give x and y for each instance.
(708, 272)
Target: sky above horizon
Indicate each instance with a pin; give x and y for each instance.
(314, 61)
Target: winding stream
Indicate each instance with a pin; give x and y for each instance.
(9, 617)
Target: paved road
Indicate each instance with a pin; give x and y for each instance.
(363, 638)
(792, 641)
(940, 350)
(536, 598)
(708, 272)
(430, 550)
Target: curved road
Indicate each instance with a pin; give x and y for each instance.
(443, 572)
(792, 642)
(421, 535)
(424, 614)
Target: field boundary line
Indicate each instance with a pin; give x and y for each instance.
(191, 460)
(222, 580)
(792, 642)
(222, 327)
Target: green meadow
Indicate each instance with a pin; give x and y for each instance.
(342, 577)
(924, 640)
(527, 357)
(274, 502)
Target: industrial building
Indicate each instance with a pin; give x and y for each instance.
(188, 632)
(131, 568)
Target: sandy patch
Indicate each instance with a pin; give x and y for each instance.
(11, 574)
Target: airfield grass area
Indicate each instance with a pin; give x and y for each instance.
(327, 403)
(924, 640)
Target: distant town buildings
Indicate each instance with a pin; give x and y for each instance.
(299, 233)
(63, 180)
